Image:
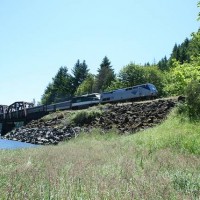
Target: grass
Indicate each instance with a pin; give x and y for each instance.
(75, 117)
(159, 163)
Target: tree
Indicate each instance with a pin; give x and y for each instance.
(181, 75)
(49, 95)
(184, 51)
(87, 86)
(79, 74)
(62, 84)
(116, 84)
(163, 64)
(132, 74)
(194, 46)
(60, 89)
(155, 76)
(105, 75)
(181, 53)
(193, 100)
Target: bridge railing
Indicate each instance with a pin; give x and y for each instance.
(17, 110)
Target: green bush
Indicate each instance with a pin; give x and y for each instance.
(85, 116)
(193, 99)
(191, 107)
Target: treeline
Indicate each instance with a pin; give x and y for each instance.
(65, 85)
(170, 75)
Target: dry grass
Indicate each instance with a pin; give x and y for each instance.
(102, 167)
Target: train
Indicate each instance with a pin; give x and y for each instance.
(19, 110)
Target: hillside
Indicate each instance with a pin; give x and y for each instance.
(123, 118)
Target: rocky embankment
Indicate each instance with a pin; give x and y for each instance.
(125, 118)
(135, 117)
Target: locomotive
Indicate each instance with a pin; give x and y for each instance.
(20, 110)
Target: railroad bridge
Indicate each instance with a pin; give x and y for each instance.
(15, 114)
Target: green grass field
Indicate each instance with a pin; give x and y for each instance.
(158, 163)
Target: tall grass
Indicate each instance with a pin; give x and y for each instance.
(159, 163)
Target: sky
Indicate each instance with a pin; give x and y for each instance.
(38, 37)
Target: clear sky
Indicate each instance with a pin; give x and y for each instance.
(37, 37)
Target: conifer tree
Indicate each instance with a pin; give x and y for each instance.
(60, 89)
(163, 64)
(79, 74)
(105, 75)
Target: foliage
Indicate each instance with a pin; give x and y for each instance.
(180, 53)
(105, 75)
(163, 64)
(194, 46)
(87, 86)
(85, 116)
(155, 76)
(181, 75)
(133, 74)
(191, 108)
(49, 95)
(60, 88)
(115, 84)
(79, 74)
(198, 5)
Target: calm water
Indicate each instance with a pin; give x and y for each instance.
(9, 144)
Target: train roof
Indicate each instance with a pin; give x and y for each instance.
(122, 89)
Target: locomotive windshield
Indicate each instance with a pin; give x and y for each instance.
(152, 87)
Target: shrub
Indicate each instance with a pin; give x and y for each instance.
(85, 116)
(193, 99)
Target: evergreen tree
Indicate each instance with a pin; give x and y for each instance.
(163, 64)
(181, 52)
(62, 84)
(175, 52)
(184, 51)
(105, 75)
(49, 95)
(60, 89)
(147, 64)
(80, 72)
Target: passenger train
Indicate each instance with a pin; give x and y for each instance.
(28, 110)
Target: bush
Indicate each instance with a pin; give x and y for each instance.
(193, 99)
(191, 107)
(85, 116)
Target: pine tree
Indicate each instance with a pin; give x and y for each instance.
(80, 72)
(105, 75)
(60, 89)
(163, 64)
(62, 83)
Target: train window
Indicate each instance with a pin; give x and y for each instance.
(152, 87)
(145, 87)
(106, 99)
(108, 92)
(128, 88)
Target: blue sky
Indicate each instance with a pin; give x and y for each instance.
(38, 37)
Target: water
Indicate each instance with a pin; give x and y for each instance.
(9, 144)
